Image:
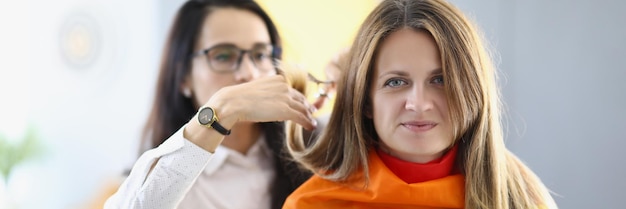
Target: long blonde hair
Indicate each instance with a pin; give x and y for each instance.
(495, 177)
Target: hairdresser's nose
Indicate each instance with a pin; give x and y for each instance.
(247, 70)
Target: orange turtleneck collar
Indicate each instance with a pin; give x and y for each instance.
(411, 172)
(384, 190)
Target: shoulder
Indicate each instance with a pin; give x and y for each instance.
(313, 191)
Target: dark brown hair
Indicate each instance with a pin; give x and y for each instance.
(171, 109)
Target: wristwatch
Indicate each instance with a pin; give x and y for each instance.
(208, 118)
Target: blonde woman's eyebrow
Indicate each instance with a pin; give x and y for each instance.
(436, 71)
(394, 72)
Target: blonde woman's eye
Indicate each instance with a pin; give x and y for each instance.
(394, 82)
(437, 79)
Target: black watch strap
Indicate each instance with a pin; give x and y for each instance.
(219, 128)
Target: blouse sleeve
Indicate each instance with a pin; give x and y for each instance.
(179, 162)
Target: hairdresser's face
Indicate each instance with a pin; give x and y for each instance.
(241, 28)
(409, 106)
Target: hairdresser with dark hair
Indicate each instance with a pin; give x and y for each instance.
(212, 133)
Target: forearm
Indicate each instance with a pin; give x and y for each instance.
(177, 164)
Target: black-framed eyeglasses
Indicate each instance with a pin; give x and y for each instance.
(226, 58)
(323, 87)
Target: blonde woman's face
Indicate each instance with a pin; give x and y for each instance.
(409, 106)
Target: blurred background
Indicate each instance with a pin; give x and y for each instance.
(77, 80)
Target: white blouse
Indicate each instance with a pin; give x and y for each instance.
(187, 176)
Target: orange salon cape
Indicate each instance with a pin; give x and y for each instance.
(385, 190)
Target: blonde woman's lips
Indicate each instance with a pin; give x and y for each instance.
(419, 126)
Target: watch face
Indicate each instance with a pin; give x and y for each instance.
(205, 116)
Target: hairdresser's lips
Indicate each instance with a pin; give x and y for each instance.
(419, 126)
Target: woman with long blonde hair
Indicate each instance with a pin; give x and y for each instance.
(416, 123)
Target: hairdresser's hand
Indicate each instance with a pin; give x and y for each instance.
(263, 100)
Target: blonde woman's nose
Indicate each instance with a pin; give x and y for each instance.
(418, 100)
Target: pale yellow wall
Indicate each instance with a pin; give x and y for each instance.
(313, 31)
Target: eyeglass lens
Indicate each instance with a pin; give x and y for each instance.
(227, 58)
